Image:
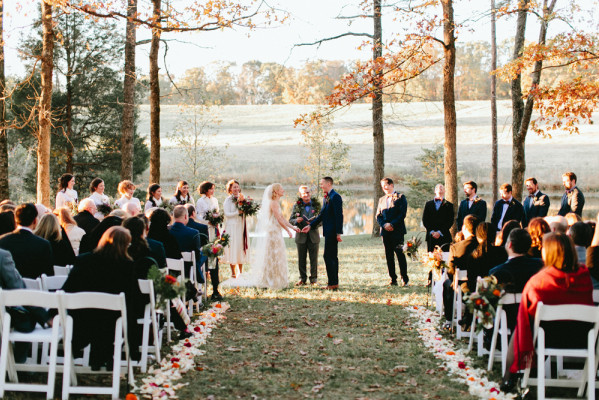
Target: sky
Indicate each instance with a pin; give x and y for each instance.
(308, 20)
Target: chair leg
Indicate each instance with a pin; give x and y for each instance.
(68, 359)
(494, 339)
(116, 366)
(472, 334)
(53, 356)
(541, 365)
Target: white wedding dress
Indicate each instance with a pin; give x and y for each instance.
(268, 262)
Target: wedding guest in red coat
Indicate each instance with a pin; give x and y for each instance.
(562, 281)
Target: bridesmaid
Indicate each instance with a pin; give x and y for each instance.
(154, 197)
(237, 253)
(207, 202)
(66, 193)
(126, 189)
(182, 195)
(97, 195)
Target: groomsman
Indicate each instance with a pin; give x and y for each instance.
(437, 218)
(506, 209)
(307, 243)
(573, 199)
(536, 204)
(331, 217)
(390, 215)
(473, 205)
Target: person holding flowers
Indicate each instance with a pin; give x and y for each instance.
(305, 209)
(101, 201)
(181, 196)
(207, 207)
(237, 253)
(66, 195)
(154, 197)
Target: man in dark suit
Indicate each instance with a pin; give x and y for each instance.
(85, 218)
(32, 254)
(390, 215)
(536, 204)
(187, 238)
(437, 219)
(201, 228)
(506, 209)
(460, 255)
(573, 199)
(331, 217)
(472, 205)
(302, 213)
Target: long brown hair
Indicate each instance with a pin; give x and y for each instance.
(559, 252)
(114, 243)
(537, 227)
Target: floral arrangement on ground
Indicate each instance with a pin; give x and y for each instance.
(161, 381)
(455, 361)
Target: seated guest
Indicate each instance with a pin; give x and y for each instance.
(557, 223)
(74, 233)
(187, 238)
(49, 229)
(505, 232)
(32, 254)
(581, 235)
(108, 269)
(203, 229)
(486, 255)
(7, 221)
(156, 247)
(85, 219)
(537, 227)
(159, 221)
(132, 209)
(91, 240)
(573, 218)
(562, 281)
(139, 248)
(592, 257)
(460, 254)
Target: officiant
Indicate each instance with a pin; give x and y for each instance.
(305, 209)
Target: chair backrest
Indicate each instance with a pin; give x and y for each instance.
(565, 312)
(596, 296)
(146, 286)
(176, 265)
(189, 256)
(34, 284)
(96, 300)
(460, 275)
(510, 298)
(59, 270)
(52, 283)
(28, 297)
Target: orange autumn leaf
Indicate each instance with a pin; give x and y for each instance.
(329, 335)
(450, 353)
(203, 323)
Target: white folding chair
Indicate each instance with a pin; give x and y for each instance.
(596, 296)
(146, 286)
(53, 283)
(99, 301)
(480, 350)
(35, 298)
(190, 256)
(458, 309)
(565, 312)
(59, 270)
(500, 327)
(33, 284)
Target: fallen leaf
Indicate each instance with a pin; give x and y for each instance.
(233, 349)
(302, 353)
(400, 368)
(329, 335)
(391, 340)
(337, 341)
(309, 323)
(317, 388)
(413, 382)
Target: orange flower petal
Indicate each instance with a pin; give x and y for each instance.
(450, 353)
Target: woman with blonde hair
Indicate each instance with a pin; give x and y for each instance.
(49, 229)
(126, 189)
(74, 233)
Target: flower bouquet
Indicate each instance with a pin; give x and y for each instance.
(434, 261)
(214, 217)
(411, 247)
(215, 249)
(166, 205)
(104, 209)
(247, 206)
(166, 287)
(483, 302)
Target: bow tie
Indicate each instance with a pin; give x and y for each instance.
(436, 199)
(569, 191)
(506, 202)
(531, 195)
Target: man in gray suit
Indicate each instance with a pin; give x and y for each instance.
(304, 210)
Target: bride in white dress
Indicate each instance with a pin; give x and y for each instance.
(269, 257)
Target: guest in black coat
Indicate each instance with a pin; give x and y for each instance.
(159, 221)
(49, 228)
(85, 218)
(472, 205)
(437, 219)
(486, 256)
(92, 238)
(573, 199)
(7, 221)
(536, 204)
(187, 238)
(506, 209)
(108, 269)
(31, 253)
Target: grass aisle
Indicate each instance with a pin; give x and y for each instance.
(310, 343)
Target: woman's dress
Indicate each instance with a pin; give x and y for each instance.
(238, 250)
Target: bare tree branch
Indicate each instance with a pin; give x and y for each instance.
(319, 42)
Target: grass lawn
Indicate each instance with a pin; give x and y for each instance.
(311, 343)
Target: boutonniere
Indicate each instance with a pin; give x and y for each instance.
(476, 200)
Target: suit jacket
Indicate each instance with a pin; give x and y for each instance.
(299, 236)
(9, 276)
(32, 254)
(203, 229)
(86, 221)
(438, 220)
(331, 215)
(479, 209)
(460, 255)
(515, 211)
(514, 273)
(393, 214)
(157, 252)
(536, 205)
(62, 251)
(187, 238)
(572, 202)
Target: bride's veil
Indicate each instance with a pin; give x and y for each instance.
(259, 242)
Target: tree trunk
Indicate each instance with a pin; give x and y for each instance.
(69, 167)
(45, 108)
(377, 117)
(518, 160)
(155, 99)
(494, 156)
(128, 122)
(451, 163)
(4, 192)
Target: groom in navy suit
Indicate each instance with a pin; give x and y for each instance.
(331, 217)
(390, 215)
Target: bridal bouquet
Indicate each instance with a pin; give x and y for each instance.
(214, 217)
(247, 206)
(217, 247)
(483, 302)
(166, 287)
